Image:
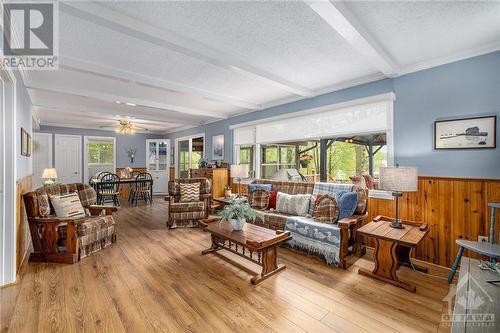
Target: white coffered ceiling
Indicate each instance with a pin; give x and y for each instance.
(182, 64)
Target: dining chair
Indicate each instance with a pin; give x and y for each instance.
(143, 188)
(109, 189)
(133, 175)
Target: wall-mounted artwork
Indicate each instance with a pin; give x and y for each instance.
(218, 147)
(24, 142)
(466, 133)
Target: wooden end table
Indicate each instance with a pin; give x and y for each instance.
(254, 243)
(392, 248)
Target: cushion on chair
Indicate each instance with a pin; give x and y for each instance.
(95, 224)
(190, 192)
(326, 210)
(193, 206)
(95, 234)
(67, 205)
(297, 204)
(260, 199)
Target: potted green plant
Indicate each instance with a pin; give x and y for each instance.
(237, 213)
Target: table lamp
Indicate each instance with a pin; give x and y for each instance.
(398, 180)
(239, 171)
(49, 175)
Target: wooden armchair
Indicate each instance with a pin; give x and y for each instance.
(67, 240)
(188, 213)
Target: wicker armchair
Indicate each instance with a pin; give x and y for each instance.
(67, 240)
(187, 214)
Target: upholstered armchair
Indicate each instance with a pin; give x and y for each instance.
(187, 214)
(67, 240)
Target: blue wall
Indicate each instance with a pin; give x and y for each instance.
(23, 119)
(465, 88)
(137, 140)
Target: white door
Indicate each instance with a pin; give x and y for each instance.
(157, 160)
(68, 159)
(42, 156)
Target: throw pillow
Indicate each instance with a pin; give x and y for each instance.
(327, 209)
(260, 199)
(362, 199)
(88, 196)
(190, 192)
(297, 204)
(253, 187)
(347, 202)
(67, 205)
(272, 200)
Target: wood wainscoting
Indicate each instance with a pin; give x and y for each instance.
(453, 208)
(23, 237)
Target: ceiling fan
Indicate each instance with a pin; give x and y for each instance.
(126, 126)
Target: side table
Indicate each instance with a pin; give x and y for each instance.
(389, 248)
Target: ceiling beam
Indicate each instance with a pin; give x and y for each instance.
(112, 98)
(339, 17)
(61, 106)
(146, 80)
(127, 25)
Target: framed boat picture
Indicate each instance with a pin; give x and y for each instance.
(465, 133)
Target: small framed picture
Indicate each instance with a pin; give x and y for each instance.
(218, 147)
(24, 142)
(465, 133)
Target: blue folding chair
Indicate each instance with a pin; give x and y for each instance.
(489, 249)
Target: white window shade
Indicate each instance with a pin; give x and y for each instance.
(364, 118)
(244, 135)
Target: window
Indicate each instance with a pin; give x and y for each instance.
(99, 155)
(276, 157)
(355, 155)
(358, 136)
(246, 156)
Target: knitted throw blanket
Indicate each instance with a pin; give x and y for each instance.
(314, 238)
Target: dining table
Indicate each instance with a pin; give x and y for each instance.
(124, 190)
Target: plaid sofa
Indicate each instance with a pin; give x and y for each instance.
(187, 214)
(349, 240)
(71, 238)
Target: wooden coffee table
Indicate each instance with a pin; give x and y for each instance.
(392, 248)
(256, 244)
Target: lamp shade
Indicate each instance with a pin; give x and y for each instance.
(398, 179)
(239, 170)
(49, 173)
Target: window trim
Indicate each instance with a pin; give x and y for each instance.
(99, 139)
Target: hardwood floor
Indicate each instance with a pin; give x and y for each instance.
(156, 280)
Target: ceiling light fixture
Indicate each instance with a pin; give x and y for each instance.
(125, 127)
(118, 102)
(131, 104)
